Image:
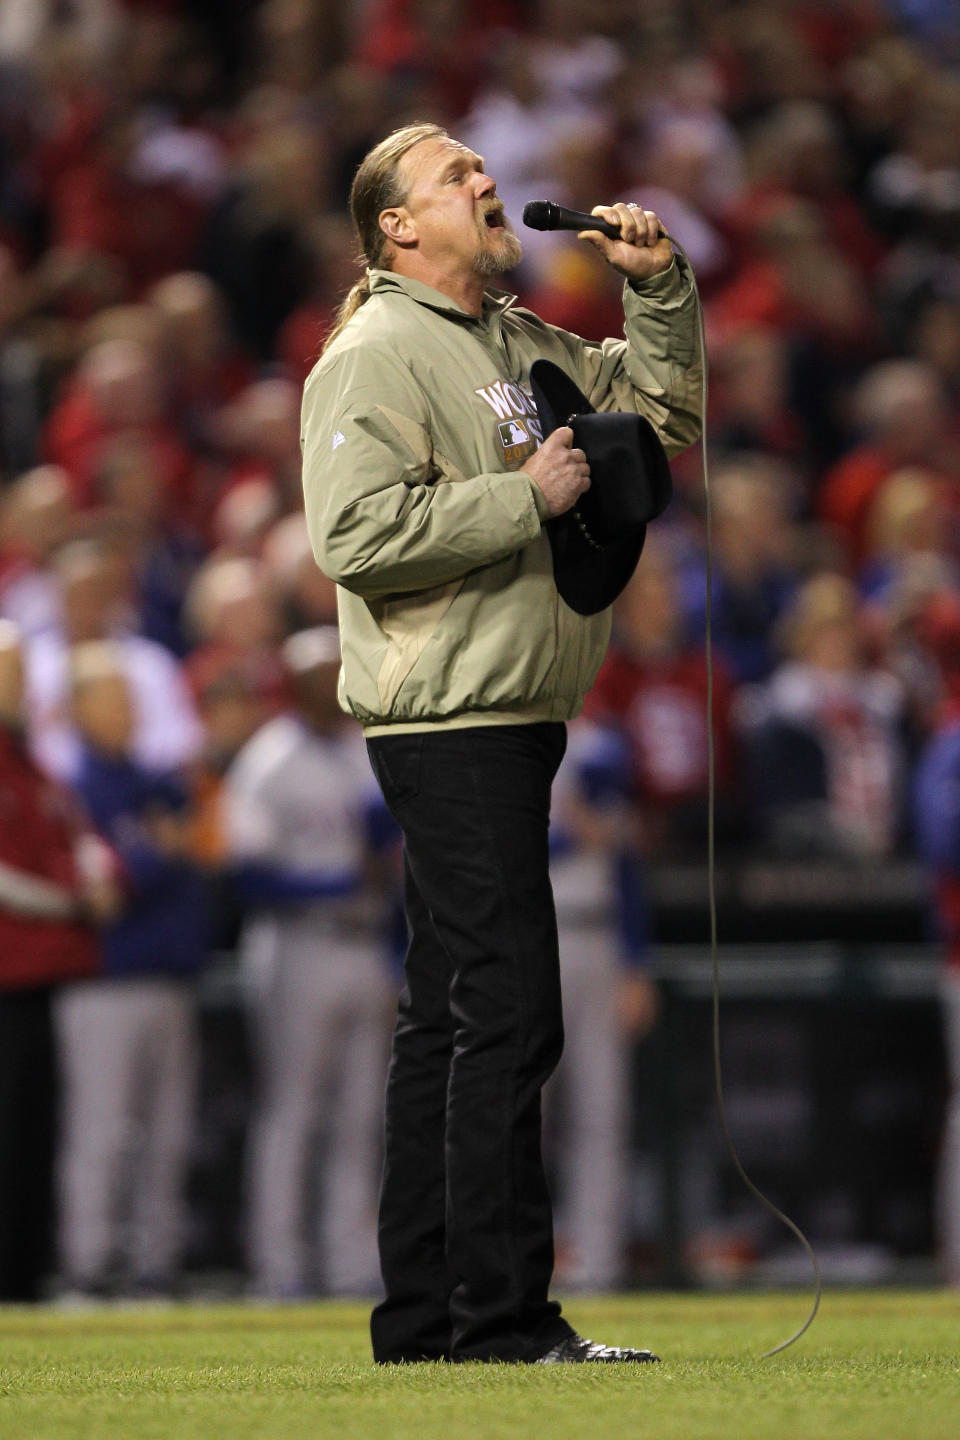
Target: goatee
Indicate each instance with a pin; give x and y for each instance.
(506, 257)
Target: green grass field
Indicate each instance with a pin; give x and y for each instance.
(875, 1366)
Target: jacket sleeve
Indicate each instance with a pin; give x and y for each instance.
(382, 515)
(658, 369)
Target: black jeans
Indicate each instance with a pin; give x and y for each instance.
(466, 1233)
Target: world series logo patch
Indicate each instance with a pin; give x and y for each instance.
(518, 425)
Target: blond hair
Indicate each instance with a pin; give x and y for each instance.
(377, 186)
(905, 499)
(824, 600)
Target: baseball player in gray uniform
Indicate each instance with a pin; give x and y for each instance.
(303, 821)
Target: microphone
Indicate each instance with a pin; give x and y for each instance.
(547, 215)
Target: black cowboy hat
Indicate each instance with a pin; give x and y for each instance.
(597, 544)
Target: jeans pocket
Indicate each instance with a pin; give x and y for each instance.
(396, 762)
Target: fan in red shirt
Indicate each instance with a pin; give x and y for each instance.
(102, 206)
(260, 433)
(235, 617)
(35, 517)
(204, 368)
(443, 42)
(905, 421)
(117, 391)
(796, 152)
(333, 270)
(653, 686)
(57, 880)
(795, 279)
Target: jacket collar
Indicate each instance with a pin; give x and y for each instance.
(495, 302)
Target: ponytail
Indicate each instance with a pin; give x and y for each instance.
(377, 186)
(356, 296)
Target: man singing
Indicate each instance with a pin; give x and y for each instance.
(427, 496)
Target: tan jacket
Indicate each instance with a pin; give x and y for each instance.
(415, 423)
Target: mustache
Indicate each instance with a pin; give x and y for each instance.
(495, 209)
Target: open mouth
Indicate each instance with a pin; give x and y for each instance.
(494, 220)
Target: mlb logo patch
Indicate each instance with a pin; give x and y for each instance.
(513, 432)
(517, 440)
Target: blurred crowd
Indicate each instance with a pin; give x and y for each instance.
(173, 245)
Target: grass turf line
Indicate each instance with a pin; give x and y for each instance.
(875, 1364)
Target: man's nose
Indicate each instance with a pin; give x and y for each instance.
(485, 186)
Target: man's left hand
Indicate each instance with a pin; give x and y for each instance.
(642, 249)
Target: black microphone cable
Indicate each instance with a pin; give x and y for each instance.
(546, 215)
(754, 1189)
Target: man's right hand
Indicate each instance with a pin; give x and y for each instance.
(561, 472)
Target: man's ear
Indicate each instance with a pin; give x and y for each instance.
(397, 224)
